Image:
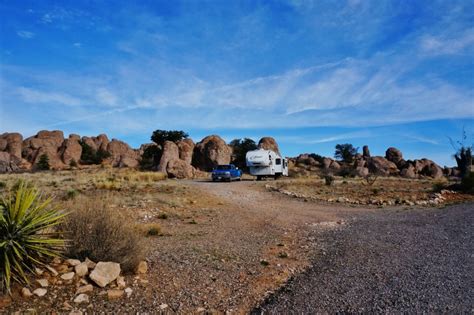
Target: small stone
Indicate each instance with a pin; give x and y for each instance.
(82, 298)
(104, 273)
(163, 306)
(114, 294)
(90, 264)
(84, 289)
(76, 312)
(43, 282)
(52, 270)
(84, 281)
(142, 267)
(68, 276)
(72, 262)
(81, 269)
(200, 309)
(121, 282)
(26, 293)
(40, 292)
(38, 271)
(128, 291)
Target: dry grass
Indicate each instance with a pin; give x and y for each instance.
(96, 231)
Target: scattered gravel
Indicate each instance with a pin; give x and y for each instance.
(390, 261)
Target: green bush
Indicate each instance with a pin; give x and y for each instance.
(27, 237)
(328, 180)
(43, 162)
(91, 156)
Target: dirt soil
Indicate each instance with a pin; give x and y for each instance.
(224, 246)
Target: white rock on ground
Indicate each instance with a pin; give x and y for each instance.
(90, 264)
(52, 270)
(128, 291)
(40, 292)
(121, 282)
(104, 273)
(68, 276)
(142, 267)
(114, 294)
(82, 298)
(81, 269)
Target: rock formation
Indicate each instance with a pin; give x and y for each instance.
(210, 152)
(268, 143)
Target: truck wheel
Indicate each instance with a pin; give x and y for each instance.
(259, 177)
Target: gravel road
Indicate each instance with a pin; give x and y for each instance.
(389, 261)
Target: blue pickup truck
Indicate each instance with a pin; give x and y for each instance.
(226, 173)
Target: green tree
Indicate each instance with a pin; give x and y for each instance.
(91, 156)
(43, 162)
(345, 152)
(240, 149)
(160, 136)
(152, 154)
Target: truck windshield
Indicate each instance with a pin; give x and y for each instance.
(223, 167)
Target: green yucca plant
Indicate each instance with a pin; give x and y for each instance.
(27, 237)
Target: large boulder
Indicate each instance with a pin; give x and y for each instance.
(101, 142)
(408, 172)
(381, 166)
(71, 149)
(8, 163)
(394, 155)
(268, 143)
(178, 168)
(186, 148)
(12, 143)
(428, 168)
(170, 152)
(329, 163)
(210, 152)
(45, 142)
(121, 154)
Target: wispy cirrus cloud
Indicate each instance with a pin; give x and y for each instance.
(25, 34)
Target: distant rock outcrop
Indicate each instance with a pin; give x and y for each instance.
(210, 152)
(268, 143)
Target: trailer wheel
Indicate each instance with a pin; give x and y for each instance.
(259, 177)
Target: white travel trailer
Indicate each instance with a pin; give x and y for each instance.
(266, 163)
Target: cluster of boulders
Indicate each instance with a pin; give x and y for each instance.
(183, 159)
(392, 164)
(86, 276)
(18, 154)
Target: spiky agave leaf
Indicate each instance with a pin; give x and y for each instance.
(26, 235)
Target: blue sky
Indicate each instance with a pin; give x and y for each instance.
(310, 73)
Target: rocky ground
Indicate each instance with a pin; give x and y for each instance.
(390, 261)
(222, 247)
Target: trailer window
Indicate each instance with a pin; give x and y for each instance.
(278, 161)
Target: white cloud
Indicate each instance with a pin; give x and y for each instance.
(447, 45)
(78, 45)
(35, 96)
(25, 34)
(105, 97)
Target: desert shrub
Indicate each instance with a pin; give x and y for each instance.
(3, 185)
(163, 216)
(91, 156)
(73, 163)
(328, 180)
(370, 179)
(467, 183)
(43, 163)
(152, 229)
(346, 172)
(71, 194)
(27, 237)
(101, 234)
